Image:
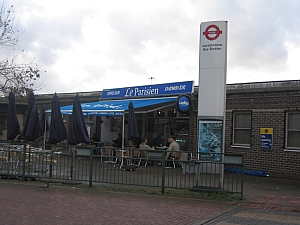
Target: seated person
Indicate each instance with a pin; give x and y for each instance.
(118, 142)
(144, 145)
(174, 146)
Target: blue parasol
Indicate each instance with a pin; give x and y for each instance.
(32, 128)
(57, 128)
(132, 125)
(13, 126)
(78, 132)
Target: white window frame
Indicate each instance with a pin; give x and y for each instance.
(236, 129)
(288, 130)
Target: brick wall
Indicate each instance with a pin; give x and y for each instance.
(268, 110)
(193, 115)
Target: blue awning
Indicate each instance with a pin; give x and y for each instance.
(115, 107)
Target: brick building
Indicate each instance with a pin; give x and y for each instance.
(249, 107)
(252, 106)
(276, 105)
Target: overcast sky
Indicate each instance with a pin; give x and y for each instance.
(93, 45)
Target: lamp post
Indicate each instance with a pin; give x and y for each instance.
(151, 78)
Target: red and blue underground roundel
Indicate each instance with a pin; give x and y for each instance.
(183, 103)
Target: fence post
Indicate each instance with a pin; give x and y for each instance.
(24, 160)
(91, 166)
(242, 185)
(73, 149)
(50, 167)
(163, 167)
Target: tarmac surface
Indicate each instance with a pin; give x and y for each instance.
(266, 201)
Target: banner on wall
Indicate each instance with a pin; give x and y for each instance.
(147, 91)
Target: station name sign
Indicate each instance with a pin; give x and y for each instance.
(186, 87)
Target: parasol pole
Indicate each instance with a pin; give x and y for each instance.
(123, 129)
(45, 130)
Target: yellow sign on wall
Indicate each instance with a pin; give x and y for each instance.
(266, 130)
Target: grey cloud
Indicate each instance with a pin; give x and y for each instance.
(95, 72)
(257, 34)
(257, 30)
(164, 27)
(52, 35)
(49, 83)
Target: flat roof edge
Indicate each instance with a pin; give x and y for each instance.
(264, 86)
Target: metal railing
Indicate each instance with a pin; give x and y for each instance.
(87, 164)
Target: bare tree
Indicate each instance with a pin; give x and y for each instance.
(16, 77)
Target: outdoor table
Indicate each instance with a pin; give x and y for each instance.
(161, 148)
(155, 156)
(111, 144)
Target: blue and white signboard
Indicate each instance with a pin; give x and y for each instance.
(213, 69)
(114, 107)
(183, 103)
(186, 87)
(266, 138)
(210, 140)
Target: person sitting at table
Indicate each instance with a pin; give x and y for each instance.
(174, 146)
(144, 145)
(118, 142)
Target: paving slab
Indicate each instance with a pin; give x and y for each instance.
(25, 203)
(266, 201)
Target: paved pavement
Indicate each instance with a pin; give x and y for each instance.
(266, 201)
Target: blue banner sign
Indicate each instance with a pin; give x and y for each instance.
(186, 87)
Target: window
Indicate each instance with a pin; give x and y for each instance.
(292, 130)
(241, 128)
